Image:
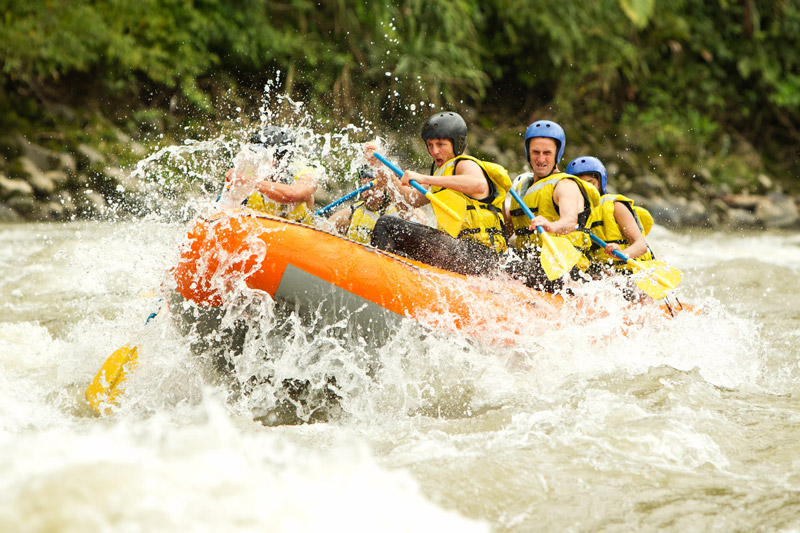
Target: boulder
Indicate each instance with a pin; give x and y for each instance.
(65, 199)
(43, 158)
(777, 210)
(741, 219)
(91, 155)
(14, 187)
(26, 206)
(36, 177)
(8, 215)
(649, 185)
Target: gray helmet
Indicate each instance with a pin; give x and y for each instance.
(447, 125)
(272, 136)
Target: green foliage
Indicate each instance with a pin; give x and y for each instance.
(678, 77)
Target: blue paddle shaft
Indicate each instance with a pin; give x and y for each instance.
(597, 240)
(344, 198)
(394, 168)
(524, 207)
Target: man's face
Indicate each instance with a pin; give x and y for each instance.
(441, 150)
(542, 151)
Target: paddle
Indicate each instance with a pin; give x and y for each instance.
(558, 256)
(455, 217)
(105, 387)
(327, 208)
(660, 278)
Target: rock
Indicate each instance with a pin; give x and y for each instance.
(742, 201)
(777, 211)
(25, 206)
(36, 177)
(8, 215)
(93, 156)
(54, 210)
(741, 219)
(43, 158)
(93, 202)
(703, 176)
(765, 182)
(14, 187)
(58, 177)
(696, 213)
(68, 163)
(65, 199)
(649, 185)
(665, 213)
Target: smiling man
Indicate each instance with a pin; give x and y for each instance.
(456, 179)
(561, 203)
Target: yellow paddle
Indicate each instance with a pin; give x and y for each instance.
(660, 277)
(558, 255)
(105, 387)
(450, 215)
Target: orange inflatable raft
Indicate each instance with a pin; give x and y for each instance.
(309, 269)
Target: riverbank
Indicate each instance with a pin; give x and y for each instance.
(82, 181)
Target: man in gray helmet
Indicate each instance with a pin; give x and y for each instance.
(480, 185)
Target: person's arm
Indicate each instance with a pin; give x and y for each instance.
(567, 196)
(637, 246)
(300, 190)
(340, 220)
(403, 194)
(468, 179)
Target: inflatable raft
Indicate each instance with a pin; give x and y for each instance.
(310, 270)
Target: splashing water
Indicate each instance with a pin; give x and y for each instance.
(586, 424)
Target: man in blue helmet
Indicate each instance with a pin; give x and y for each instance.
(561, 204)
(616, 220)
(479, 185)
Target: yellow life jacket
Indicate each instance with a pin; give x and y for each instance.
(538, 197)
(362, 221)
(603, 224)
(298, 212)
(483, 222)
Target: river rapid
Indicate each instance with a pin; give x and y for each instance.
(690, 424)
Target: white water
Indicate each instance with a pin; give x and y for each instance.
(688, 424)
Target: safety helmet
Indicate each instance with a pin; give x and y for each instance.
(587, 164)
(272, 136)
(366, 172)
(447, 125)
(546, 128)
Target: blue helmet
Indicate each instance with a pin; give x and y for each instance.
(546, 128)
(586, 164)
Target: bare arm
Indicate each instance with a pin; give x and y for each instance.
(340, 220)
(402, 194)
(637, 245)
(567, 196)
(468, 179)
(301, 190)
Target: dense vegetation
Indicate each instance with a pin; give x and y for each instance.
(667, 87)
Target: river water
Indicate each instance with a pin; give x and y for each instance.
(690, 424)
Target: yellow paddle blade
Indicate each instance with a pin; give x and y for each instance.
(659, 279)
(558, 256)
(450, 209)
(105, 387)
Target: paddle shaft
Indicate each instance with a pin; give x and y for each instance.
(529, 214)
(366, 187)
(414, 183)
(628, 260)
(617, 253)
